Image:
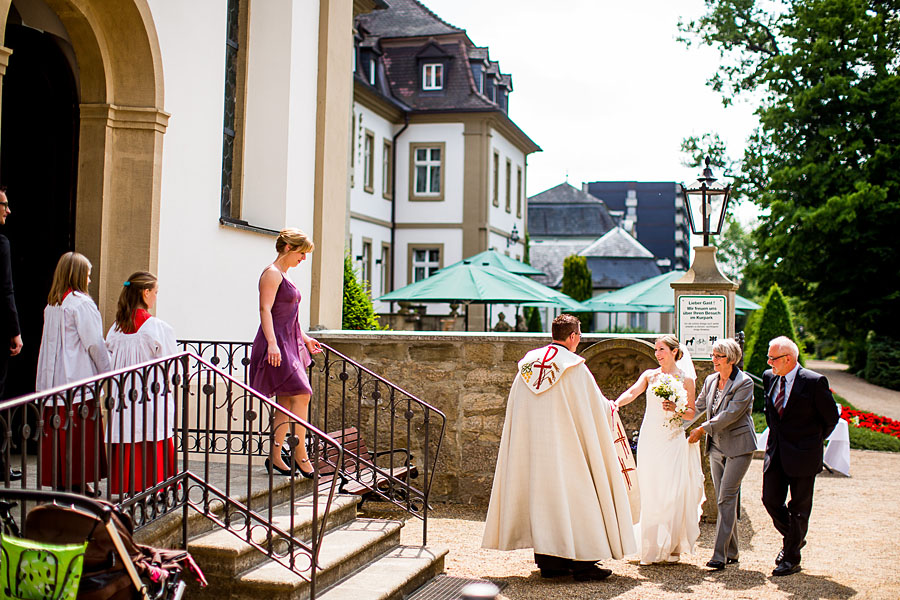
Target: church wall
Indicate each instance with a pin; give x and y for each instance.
(209, 272)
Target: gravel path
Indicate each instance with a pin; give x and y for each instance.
(852, 551)
(860, 393)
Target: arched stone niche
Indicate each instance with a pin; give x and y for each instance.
(616, 364)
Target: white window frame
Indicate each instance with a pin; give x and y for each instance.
(365, 271)
(430, 263)
(369, 161)
(429, 163)
(372, 71)
(508, 190)
(387, 168)
(385, 268)
(433, 76)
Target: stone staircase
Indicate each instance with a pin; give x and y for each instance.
(360, 559)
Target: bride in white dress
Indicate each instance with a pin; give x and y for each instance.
(668, 468)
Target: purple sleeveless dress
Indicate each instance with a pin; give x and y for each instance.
(289, 378)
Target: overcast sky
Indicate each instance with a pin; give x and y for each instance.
(602, 87)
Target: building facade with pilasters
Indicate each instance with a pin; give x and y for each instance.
(430, 109)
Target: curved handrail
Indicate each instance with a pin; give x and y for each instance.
(348, 394)
(82, 402)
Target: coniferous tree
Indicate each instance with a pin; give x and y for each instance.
(578, 284)
(357, 312)
(532, 315)
(774, 320)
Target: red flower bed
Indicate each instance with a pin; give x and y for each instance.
(872, 421)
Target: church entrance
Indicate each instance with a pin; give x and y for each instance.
(38, 164)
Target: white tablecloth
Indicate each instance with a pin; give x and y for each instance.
(837, 452)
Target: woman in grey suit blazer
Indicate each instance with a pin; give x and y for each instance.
(727, 398)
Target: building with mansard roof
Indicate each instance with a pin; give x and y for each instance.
(438, 169)
(565, 221)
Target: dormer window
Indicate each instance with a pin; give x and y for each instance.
(372, 71)
(432, 76)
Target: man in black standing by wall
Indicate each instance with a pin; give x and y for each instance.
(9, 317)
(801, 413)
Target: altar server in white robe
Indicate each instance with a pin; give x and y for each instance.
(559, 485)
(72, 348)
(142, 425)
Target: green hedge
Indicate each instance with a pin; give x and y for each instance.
(883, 361)
(860, 437)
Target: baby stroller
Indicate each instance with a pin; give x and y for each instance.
(73, 546)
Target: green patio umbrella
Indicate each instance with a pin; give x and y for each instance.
(468, 282)
(651, 295)
(495, 259)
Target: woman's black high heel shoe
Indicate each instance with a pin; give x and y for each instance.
(270, 465)
(309, 475)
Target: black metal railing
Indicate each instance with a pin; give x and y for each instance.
(136, 435)
(396, 433)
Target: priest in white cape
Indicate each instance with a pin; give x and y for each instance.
(560, 486)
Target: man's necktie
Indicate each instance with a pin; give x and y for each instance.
(779, 397)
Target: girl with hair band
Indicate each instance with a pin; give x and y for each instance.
(138, 337)
(281, 351)
(669, 474)
(72, 348)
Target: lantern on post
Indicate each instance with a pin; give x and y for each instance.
(707, 202)
(513, 237)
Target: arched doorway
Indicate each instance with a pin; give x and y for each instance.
(93, 111)
(38, 151)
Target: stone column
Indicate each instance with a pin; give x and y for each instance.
(331, 190)
(117, 214)
(4, 62)
(705, 279)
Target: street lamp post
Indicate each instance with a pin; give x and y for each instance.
(707, 201)
(704, 297)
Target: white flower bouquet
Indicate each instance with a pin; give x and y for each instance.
(669, 387)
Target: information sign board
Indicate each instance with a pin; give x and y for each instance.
(701, 321)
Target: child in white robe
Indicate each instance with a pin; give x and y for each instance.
(142, 425)
(72, 348)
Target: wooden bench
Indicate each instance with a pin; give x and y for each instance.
(358, 475)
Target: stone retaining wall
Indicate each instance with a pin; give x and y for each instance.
(468, 375)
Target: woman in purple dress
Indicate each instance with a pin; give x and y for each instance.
(281, 351)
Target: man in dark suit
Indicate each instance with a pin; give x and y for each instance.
(801, 413)
(9, 317)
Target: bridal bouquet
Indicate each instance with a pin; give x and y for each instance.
(669, 387)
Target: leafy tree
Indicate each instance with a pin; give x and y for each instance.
(773, 319)
(824, 163)
(357, 312)
(577, 283)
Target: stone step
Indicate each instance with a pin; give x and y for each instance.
(345, 550)
(166, 532)
(392, 577)
(223, 555)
